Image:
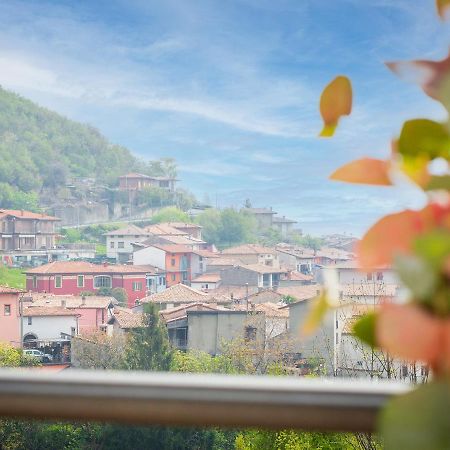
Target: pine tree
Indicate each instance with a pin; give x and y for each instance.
(149, 347)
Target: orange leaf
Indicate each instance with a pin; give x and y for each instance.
(441, 6)
(335, 101)
(408, 332)
(433, 76)
(364, 171)
(394, 234)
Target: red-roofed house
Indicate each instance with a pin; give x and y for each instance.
(75, 277)
(9, 315)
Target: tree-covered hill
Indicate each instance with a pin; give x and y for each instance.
(42, 149)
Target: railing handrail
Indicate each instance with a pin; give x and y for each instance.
(195, 399)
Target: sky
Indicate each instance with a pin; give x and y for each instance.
(230, 89)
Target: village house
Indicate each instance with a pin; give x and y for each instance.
(219, 263)
(263, 216)
(93, 311)
(123, 320)
(283, 225)
(138, 181)
(44, 325)
(253, 254)
(259, 275)
(10, 315)
(297, 258)
(206, 282)
(119, 242)
(191, 229)
(77, 277)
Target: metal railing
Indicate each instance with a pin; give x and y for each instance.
(195, 400)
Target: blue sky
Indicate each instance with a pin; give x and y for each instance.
(230, 89)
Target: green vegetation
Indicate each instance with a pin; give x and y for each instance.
(170, 214)
(12, 277)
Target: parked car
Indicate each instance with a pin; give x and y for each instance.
(43, 357)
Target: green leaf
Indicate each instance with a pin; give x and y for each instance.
(418, 275)
(424, 138)
(438, 183)
(364, 329)
(418, 420)
(434, 247)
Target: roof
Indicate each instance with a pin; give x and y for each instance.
(283, 220)
(183, 225)
(224, 262)
(272, 310)
(179, 293)
(83, 267)
(301, 253)
(298, 276)
(182, 240)
(206, 253)
(261, 268)
(21, 214)
(48, 311)
(126, 318)
(10, 290)
(259, 210)
(129, 230)
(354, 265)
(180, 312)
(235, 292)
(248, 249)
(135, 175)
(207, 278)
(71, 301)
(162, 229)
(172, 248)
(300, 293)
(334, 253)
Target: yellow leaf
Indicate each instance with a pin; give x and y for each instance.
(335, 101)
(441, 6)
(315, 315)
(364, 171)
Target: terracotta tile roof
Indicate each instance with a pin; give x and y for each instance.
(164, 229)
(126, 318)
(83, 267)
(235, 292)
(207, 278)
(334, 253)
(182, 240)
(261, 268)
(71, 301)
(129, 230)
(180, 312)
(26, 214)
(248, 249)
(172, 248)
(183, 225)
(48, 311)
(298, 276)
(225, 262)
(272, 310)
(179, 293)
(298, 252)
(275, 296)
(10, 290)
(300, 293)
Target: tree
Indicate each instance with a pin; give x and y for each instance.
(170, 214)
(149, 347)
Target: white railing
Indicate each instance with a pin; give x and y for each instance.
(196, 400)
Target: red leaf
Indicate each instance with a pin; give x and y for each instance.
(364, 171)
(408, 332)
(442, 6)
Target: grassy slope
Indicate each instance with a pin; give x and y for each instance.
(12, 277)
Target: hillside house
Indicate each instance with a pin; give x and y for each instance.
(138, 181)
(119, 242)
(253, 254)
(297, 258)
(76, 277)
(283, 226)
(10, 315)
(263, 216)
(259, 275)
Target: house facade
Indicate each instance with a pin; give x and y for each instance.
(138, 181)
(257, 275)
(76, 277)
(253, 254)
(119, 242)
(10, 315)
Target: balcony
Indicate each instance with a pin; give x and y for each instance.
(195, 400)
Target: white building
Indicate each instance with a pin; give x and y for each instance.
(119, 242)
(45, 323)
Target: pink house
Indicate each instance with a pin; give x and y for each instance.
(76, 277)
(93, 311)
(9, 315)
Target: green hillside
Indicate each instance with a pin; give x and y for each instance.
(42, 149)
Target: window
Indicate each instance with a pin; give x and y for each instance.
(162, 281)
(80, 281)
(379, 276)
(102, 282)
(58, 281)
(369, 276)
(205, 286)
(7, 310)
(250, 333)
(173, 277)
(172, 261)
(121, 244)
(72, 331)
(111, 244)
(30, 321)
(137, 286)
(34, 281)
